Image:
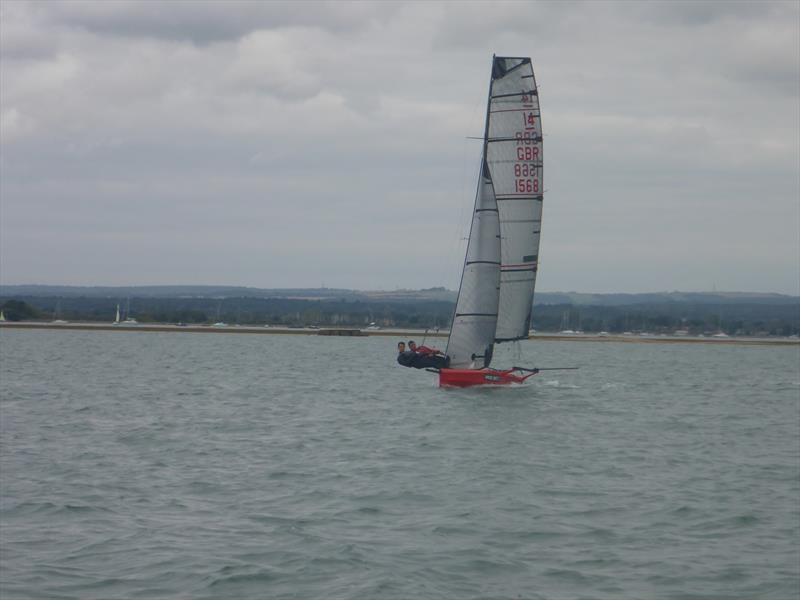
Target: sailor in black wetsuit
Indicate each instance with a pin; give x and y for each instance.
(405, 357)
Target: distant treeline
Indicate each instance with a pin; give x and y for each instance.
(733, 318)
(244, 311)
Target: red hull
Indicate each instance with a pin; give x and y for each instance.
(471, 377)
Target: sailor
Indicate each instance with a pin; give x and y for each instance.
(427, 358)
(423, 349)
(405, 357)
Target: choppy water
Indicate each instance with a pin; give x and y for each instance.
(147, 465)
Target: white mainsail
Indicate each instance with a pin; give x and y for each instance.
(496, 296)
(514, 154)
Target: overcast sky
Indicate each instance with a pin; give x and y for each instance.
(301, 144)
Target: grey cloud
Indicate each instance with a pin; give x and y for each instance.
(302, 147)
(697, 13)
(208, 22)
(22, 36)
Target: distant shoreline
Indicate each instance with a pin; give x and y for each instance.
(402, 333)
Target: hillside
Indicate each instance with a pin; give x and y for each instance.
(430, 294)
(733, 313)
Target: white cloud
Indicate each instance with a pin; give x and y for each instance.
(14, 124)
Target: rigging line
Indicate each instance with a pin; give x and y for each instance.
(453, 244)
(453, 240)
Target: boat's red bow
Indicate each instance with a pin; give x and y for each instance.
(470, 377)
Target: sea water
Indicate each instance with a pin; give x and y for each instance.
(192, 465)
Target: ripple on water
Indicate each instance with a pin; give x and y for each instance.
(196, 472)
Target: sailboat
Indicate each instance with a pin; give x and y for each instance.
(116, 317)
(495, 297)
(129, 320)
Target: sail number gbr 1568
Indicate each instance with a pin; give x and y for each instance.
(525, 174)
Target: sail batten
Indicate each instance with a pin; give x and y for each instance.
(496, 291)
